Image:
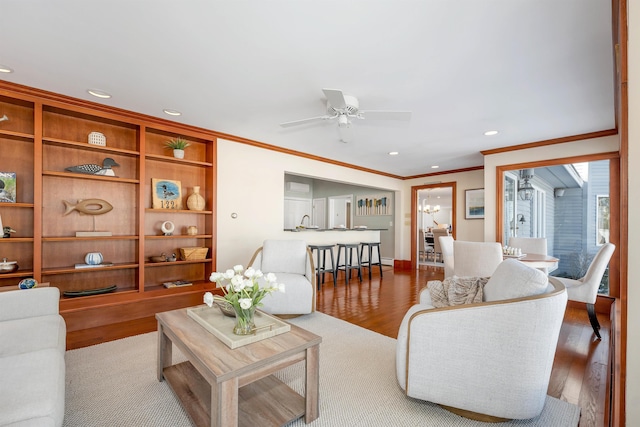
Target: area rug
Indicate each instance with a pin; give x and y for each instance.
(114, 384)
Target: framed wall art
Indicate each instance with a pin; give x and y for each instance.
(474, 204)
(376, 204)
(8, 187)
(166, 194)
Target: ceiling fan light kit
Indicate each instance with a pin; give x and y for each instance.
(344, 108)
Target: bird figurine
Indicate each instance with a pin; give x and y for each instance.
(95, 169)
(6, 232)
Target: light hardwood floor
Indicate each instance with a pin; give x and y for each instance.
(580, 369)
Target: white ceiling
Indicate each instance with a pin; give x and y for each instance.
(531, 69)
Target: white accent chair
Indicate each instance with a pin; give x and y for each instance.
(585, 289)
(446, 246)
(476, 259)
(490, 360)
(531, 245)
(292, 263)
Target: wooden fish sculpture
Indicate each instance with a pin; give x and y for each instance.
(88, 206)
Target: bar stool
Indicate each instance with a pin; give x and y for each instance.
(348, 264)
(321, 266)
(368, 264)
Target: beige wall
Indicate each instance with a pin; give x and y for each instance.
(250, 184)
(466, 229)
(633, 300)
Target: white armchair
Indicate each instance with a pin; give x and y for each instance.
(292, 263)
(490, 360)
(586, 288)
(446, 246)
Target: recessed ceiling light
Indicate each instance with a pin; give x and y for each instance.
(172, 112)
(491, 132)
(5, 69)
(99, 93)
(435, 167)
(393, 153)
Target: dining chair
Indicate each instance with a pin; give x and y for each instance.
(437, 250)
(586, 288)
(531, 245)
(478, 259)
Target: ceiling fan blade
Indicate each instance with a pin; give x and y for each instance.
(384, 115)
(335, 98)
(309, 120)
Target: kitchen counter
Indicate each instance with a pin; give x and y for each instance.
(333, 236)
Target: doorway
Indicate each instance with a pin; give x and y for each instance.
(432, 206)
(340, 214)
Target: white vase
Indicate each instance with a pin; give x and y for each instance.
(178, 154)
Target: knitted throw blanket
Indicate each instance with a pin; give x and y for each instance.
(456, 290)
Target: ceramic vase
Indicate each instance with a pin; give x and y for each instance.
(195, 201)
(93, 258)
(244, 320)
(178, 154)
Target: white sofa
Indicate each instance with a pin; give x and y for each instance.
(489, 360)
(32, 366)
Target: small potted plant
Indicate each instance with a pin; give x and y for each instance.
(177, 145)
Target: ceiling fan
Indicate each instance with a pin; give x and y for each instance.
(345, 107)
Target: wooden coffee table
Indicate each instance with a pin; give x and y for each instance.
(220, 386)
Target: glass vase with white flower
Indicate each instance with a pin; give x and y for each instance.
(243, 292)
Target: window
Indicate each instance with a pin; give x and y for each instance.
(602, 219)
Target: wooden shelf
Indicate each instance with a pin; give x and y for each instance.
(16, 205)
(90, 177)
(181, 211)
(170, 263)
(91, 239)
(46, 134)
(16, 134)
(67, 270)
(87, 146)
(19, 273)
(179, 236)
(17, 240)
(170, 159)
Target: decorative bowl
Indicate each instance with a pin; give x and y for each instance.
(8, 266)
(28, 283)
(158, 258)
(224, 306)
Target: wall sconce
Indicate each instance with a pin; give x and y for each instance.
(558, 192)
(521, 219)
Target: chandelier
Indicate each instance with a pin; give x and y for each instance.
(431, 210)
(428, 208)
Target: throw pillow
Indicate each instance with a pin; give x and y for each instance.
(513, 279)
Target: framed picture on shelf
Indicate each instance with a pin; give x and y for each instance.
(474, 204)
(376, 204)
(8, 187)
(166, 194)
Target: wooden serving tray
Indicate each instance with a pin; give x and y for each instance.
(221, 326)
